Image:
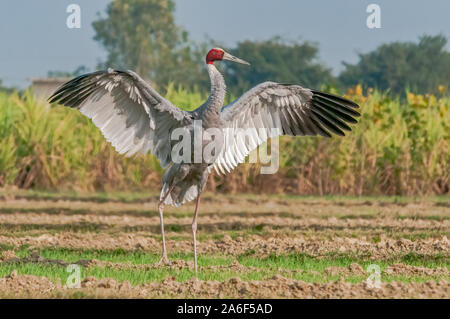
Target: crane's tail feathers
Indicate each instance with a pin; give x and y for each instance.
(179, 195)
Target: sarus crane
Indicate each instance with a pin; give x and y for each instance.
(134, 118)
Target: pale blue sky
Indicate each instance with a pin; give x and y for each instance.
(34, 37)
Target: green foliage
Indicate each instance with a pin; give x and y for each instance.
(420, 67)
(278, 61)
(183, 98)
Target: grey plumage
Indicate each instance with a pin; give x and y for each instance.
(133, 117)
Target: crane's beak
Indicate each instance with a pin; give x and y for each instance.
(229, 57)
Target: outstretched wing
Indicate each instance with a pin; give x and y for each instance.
(272, 109)
(132, 116)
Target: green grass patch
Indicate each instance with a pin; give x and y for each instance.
(306, 262)
(296, 266)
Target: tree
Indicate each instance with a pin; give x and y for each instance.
(276, 60)
(141, 35)
(399, 66)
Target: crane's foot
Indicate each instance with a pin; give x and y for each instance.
(164, 260)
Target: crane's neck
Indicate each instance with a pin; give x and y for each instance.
(214, 104)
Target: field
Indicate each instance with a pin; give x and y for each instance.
(275, 246)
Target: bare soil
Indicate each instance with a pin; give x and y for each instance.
(229, 226)
(40, 287)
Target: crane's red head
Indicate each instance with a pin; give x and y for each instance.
(214, 54)
(217, 54)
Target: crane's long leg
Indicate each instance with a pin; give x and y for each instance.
(194, 231)
(164, 258)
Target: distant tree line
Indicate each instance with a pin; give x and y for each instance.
(142, 35)
(420, 67)
(5, 89)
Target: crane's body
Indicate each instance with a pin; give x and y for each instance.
(133, 117)
(192, 177)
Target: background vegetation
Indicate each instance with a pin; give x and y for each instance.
(421, 67)
(401, 145)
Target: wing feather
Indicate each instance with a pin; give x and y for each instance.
(131, 115)
(284, 109)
